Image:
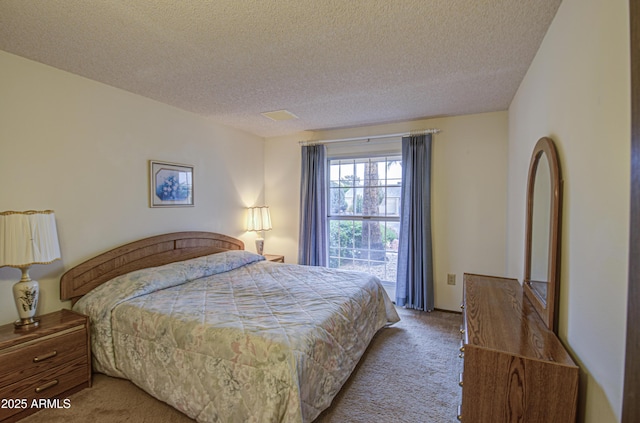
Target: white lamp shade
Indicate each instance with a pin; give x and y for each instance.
(28, 238)
(259, 219)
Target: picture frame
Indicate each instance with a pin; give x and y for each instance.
(170, 184)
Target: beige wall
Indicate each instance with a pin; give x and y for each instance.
(81, 148)
(577, 92)
(469, 194)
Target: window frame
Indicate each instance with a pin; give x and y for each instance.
(363, 157)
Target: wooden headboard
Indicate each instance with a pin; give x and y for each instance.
(148, 252)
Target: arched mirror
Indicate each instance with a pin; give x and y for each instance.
(542, 236)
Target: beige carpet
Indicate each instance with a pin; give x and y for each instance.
(408, 374)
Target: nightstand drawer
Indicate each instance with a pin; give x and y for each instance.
(72, 374)
(25, 360)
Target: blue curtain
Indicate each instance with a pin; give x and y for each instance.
(313, 207)
(414, 286)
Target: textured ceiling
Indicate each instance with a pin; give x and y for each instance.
(332, 63)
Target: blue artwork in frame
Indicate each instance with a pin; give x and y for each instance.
(171, 184)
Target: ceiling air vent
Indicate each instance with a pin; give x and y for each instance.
(279, 115)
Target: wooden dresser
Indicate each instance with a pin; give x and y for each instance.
(49, 362)
(515, 369)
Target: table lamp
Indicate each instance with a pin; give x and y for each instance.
(259, 220)
(27, 238)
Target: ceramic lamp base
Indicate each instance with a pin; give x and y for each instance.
(260, 245)
(25, 294)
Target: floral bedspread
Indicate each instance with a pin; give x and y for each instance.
(233, 338)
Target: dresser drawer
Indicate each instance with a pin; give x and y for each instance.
(42, 354)
(72, 374)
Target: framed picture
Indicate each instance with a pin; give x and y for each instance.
(170, 184)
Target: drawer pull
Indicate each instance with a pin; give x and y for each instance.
(460, 380)
(459, 413)
(44, 357)
(47, 385)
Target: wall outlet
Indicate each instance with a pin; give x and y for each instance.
(451, 279)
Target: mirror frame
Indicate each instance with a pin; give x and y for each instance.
(546, 309)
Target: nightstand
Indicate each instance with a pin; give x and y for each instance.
(50, 361)
(274, 257)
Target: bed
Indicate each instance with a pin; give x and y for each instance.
(221, 334)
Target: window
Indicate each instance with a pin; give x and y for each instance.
(364, 214)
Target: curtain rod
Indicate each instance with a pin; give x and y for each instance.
(371, 137)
